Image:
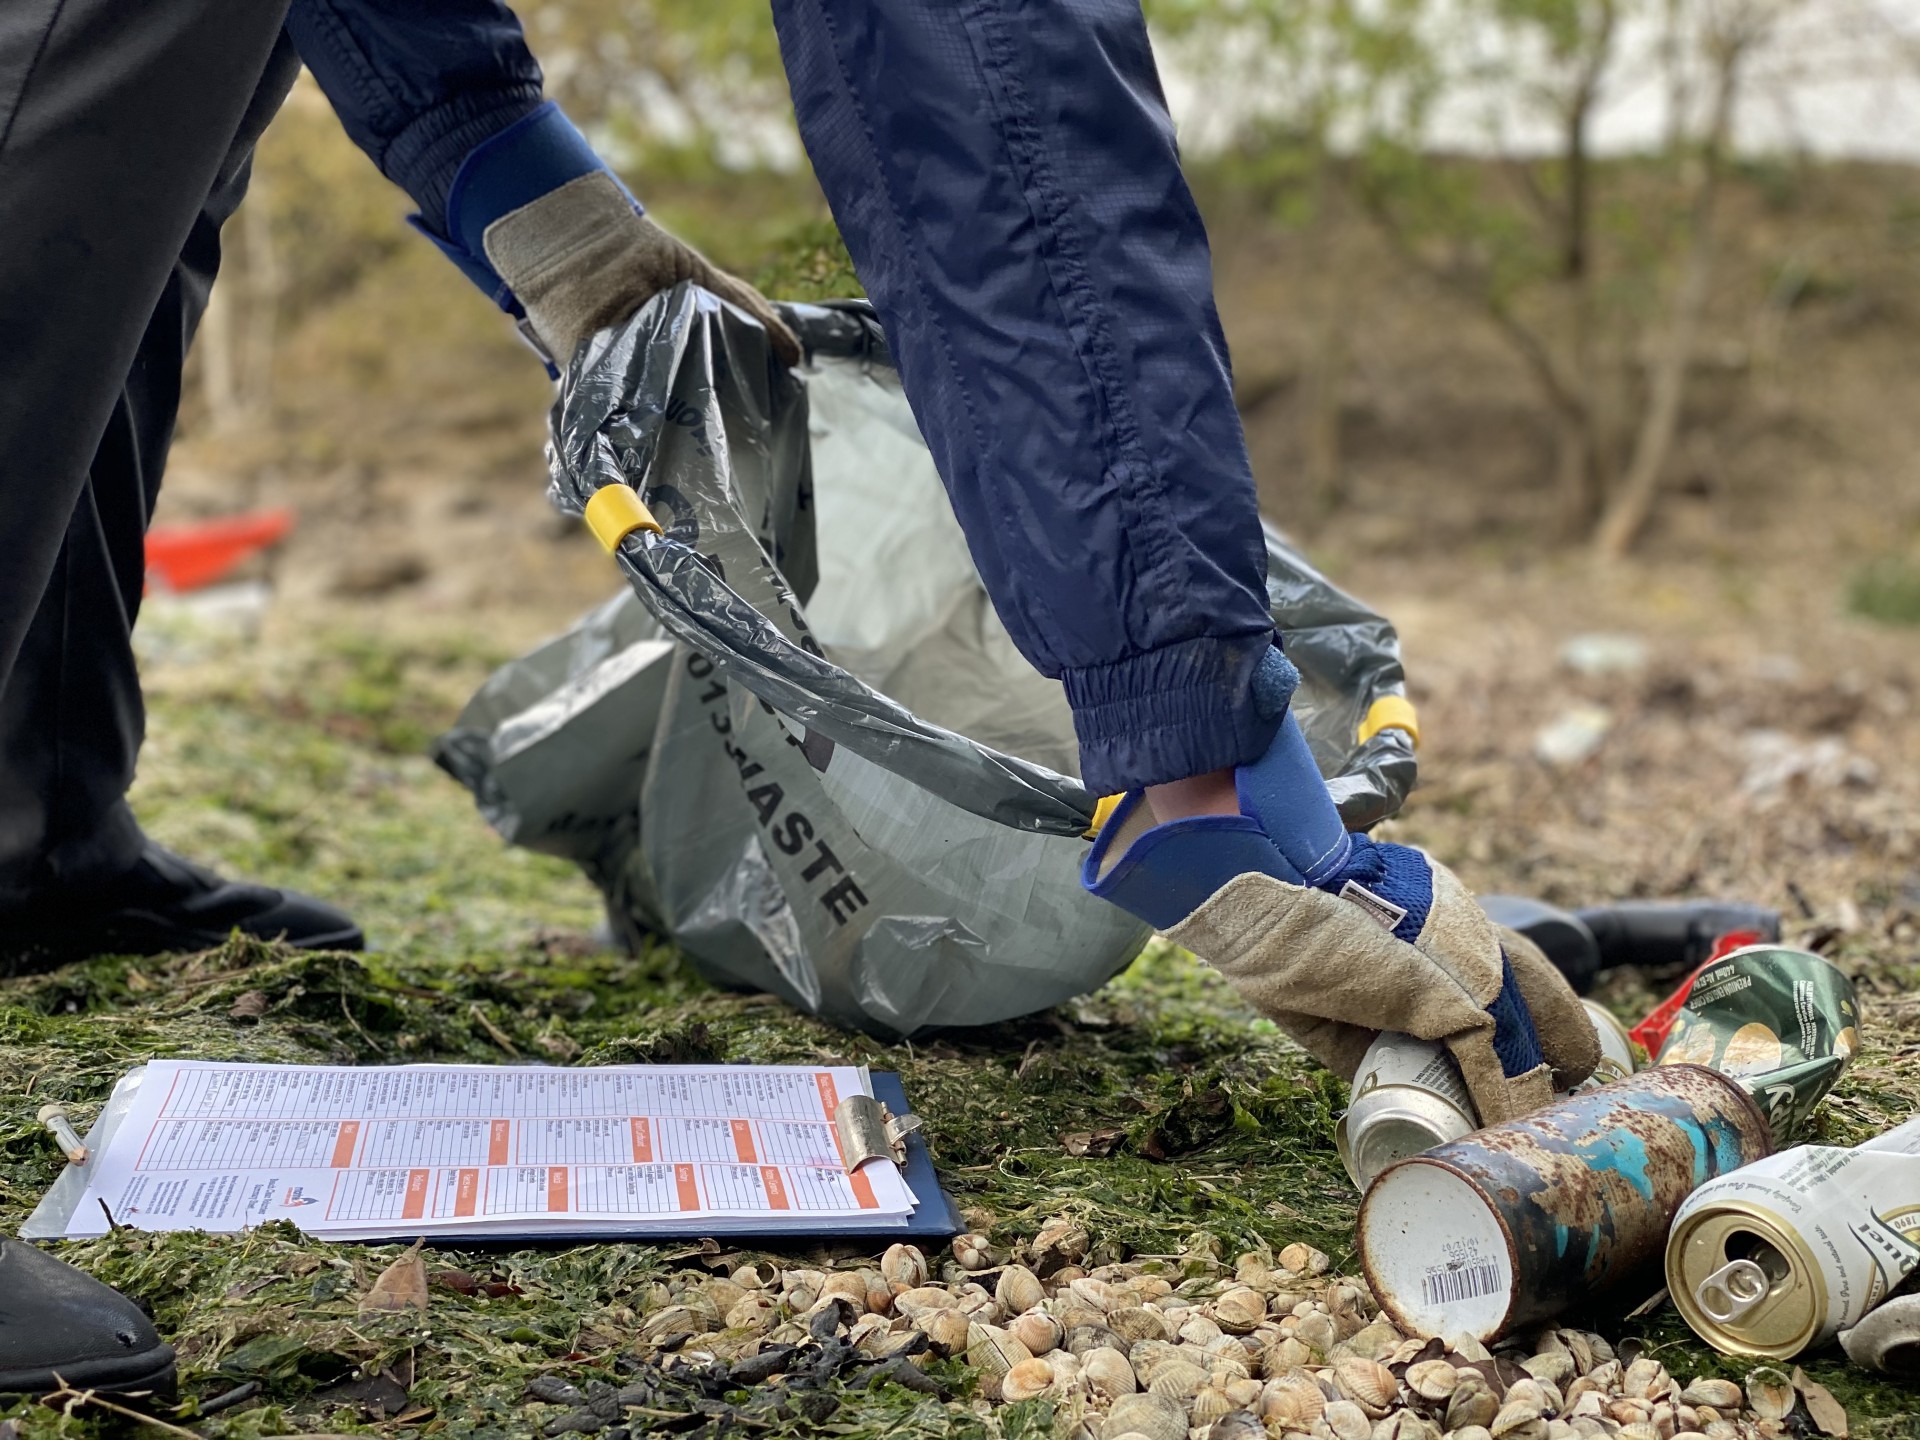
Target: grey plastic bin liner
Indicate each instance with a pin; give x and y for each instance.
(803, 746)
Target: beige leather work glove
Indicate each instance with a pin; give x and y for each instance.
(1338, 937)
(1325, 969)
(580, 259)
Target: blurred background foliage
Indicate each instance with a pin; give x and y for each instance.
(1411, 212)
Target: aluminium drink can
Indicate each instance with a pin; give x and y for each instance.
(1783, 1022)
(1408, 1096)
(1781, 1256)
(1517, 1222)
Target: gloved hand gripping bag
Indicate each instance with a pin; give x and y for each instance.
(803, 746)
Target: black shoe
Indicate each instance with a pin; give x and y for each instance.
(59, 1326)
(164, 904)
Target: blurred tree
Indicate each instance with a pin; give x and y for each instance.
(1298, 82)
(674, 86)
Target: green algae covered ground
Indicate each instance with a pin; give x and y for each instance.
(303, 763)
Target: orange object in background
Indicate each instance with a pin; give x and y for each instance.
(186, 557)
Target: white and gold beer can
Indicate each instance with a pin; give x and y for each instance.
(1782, 1255)
(1407, 1097)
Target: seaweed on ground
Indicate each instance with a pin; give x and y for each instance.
(1195, 1122)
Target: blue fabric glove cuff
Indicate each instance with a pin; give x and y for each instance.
(535, 155)
(1286, 793)
(1170, 871)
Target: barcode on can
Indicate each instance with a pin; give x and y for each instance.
(1469, 1282)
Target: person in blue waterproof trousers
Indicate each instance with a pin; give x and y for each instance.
(1005, 175)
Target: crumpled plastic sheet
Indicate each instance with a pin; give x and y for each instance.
(803, 747)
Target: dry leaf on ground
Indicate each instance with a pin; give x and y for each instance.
(401, 1286)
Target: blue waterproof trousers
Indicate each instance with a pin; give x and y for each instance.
(1005, 175)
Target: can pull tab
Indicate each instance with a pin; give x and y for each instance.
(1733, 1290)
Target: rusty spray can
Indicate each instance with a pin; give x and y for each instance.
(1408, 1097)
(1513, 1224)
(1782, 1256)
(1783, 1022)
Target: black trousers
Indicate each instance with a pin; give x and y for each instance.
(126, 137)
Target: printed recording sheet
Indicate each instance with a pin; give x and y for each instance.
(359, 1153)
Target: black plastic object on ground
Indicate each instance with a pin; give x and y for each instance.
(804, 748)
(1655, 934)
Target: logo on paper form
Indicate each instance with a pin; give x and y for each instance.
(298, 1196)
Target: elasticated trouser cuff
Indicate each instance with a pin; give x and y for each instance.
(1170, 714)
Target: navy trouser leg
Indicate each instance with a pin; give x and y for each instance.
(125, 131)
(1005, 175)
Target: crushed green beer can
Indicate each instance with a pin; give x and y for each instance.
(1782, 1022)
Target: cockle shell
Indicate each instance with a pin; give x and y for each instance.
(1469, 1349)
(1291, 1402)
(1036, 1330)
(1108, 1372)
(1243, 1392)
(1317, 1331)
(1149, 1357)
(1470, 1432)
(1082, 1338)
(1152, 1416)
(994, 1350)
(1553, 1366)
(1102, 1296)
(1519, 1420)
(1347, 1420)
(869, 1335)
(1373, 1342)
(1770, 1393)
(1367, 1383)
(851, 1286)
(1237, 1425)
(1405, 1425)
(1284, 1355)
(972, 1252)
(1209, 1405)
(1528, 1391)
(1638, 1430)
(1304, 1260)
(1199, 1329)
(752, 1312)
(948, 1328)
(1646, 1379)
(1711, 1390)
(1028, 1380)
(1473, 1403)
(1433, 1379)
(1018, 1289)
(923, 1300)
(1240, 1309)
(1064, 1242)
(1177, 1381)
(904, 1265)
(1137, 1322)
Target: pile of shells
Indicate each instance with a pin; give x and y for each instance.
(1188, 1348)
